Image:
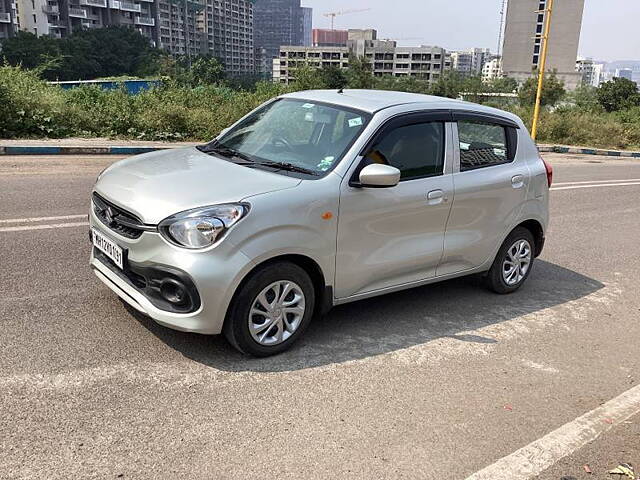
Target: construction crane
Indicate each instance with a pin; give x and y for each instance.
(333, 15)
(402, 39)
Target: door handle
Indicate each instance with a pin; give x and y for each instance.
(435, 197)
(517, 181)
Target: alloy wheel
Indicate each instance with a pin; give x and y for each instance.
(276, 312)
(516, 263)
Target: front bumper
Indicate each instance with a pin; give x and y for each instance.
(215, 275)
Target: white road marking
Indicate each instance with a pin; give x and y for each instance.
(43, 227)
(42, 219)
(541, 454)
(598, 181)
(595, 186)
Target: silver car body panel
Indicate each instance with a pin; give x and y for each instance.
(364, 242)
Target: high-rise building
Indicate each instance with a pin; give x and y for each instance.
(223, 28)
(180, 26)
(277, 23)
(8, 18)
(230, 35)
(523, 44)
(307, 26)
(329, 38)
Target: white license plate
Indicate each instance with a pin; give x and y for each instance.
(108, 247)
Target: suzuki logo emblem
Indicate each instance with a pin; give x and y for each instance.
(108, 214)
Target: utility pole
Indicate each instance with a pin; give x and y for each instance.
(503, 10)
(541, 67)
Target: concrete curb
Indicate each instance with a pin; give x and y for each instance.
(70, 150)
(135, 150)
(588, 151)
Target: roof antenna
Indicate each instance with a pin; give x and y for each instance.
(341, 90)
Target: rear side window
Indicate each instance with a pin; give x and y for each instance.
(483, 144)
(417, 150)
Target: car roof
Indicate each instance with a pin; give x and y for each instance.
(372, 101)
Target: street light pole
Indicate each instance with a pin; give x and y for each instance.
(541, 67)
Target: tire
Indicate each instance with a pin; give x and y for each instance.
(282, 319)
(498, 279)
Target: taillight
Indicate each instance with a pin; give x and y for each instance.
(549, 170)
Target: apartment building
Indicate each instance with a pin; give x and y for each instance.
(229, 35)
(180, 27)
(523, 39)
(591, 72)
(386, 58)
(8, 18)
(492, 69)
(293, 57)
(469, 62)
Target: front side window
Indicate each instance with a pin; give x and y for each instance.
(416, 150)
(481, 145)
(306, 134)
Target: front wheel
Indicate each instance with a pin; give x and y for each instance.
(271, 310)
(513, 262)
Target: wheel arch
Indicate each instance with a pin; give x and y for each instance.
(323, 292)
(536, 229)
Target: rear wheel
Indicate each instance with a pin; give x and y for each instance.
(271, 310)
(513, 262)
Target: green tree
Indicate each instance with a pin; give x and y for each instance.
(552, 91)
(448, 85)
(618, 94)
(87, 54)
(585, 98)
(503, 85)
(333, 77)
(205, 70)
(308, 78)
(26, 50)
(359, 74)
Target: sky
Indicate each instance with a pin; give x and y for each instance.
(609, 28)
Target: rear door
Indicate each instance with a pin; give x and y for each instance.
(388, 237)
(490, 184)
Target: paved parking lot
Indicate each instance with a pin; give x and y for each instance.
(437, 382)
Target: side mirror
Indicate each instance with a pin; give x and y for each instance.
(378, 175)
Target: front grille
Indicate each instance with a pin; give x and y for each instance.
(117, 219)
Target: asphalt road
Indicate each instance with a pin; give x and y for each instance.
(432, 383)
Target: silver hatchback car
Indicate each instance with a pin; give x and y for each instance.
(316, 199)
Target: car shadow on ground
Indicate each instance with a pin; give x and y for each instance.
(393, 322)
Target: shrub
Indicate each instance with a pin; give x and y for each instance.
(29, 107)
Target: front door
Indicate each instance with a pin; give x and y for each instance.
(388, 237)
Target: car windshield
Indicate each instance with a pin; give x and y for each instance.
(302, 135)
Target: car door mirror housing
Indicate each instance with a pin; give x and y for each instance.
(378, 175)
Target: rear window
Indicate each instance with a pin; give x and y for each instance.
(482, 144)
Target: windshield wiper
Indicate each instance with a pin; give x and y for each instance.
(225, 151)
(289, 167)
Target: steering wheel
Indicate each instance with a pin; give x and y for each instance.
(282, 141)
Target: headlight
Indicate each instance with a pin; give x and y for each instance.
(201, 227)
